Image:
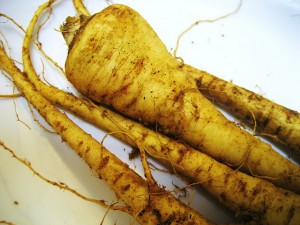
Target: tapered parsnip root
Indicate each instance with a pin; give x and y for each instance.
(253, 198)
(117, 59)
(143, 202)
(271, 118)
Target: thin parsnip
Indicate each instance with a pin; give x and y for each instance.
(148, 205)
(270, 119)
(251, 198)
(117, 59)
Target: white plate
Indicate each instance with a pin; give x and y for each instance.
(258, 48)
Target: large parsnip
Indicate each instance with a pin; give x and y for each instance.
(117, 59)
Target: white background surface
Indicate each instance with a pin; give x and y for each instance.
(257, 48)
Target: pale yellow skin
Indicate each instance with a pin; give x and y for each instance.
(117, 59)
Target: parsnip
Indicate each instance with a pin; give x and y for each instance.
(117, 59)
(254, 197)
(270, 118)
(265, 116)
